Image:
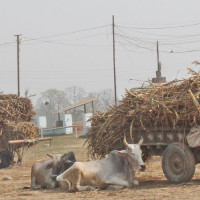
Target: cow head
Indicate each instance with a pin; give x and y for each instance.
(55, 162)
(60, 163)
(133, 155)
(67, 160)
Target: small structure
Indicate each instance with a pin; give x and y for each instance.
(81, 103)
(159, 78)
(85, 115)
(42, 122)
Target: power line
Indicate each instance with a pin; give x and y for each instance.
(165, 35)
(57, 35)
(64, 43)
(68, 33)
(124, 38)
(164, 27)
(81, 38)
(146, 40)
(7, 43)
(127, 39)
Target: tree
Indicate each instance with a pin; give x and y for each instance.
(51, 101)
(105, 99)
(76, 94)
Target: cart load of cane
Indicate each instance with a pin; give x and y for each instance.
(170, 106)
(15, 119)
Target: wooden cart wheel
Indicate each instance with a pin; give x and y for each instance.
(178, 163)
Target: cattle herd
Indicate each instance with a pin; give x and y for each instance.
(117, 170)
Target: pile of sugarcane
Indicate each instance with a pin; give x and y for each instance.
(15, 116)
(14, 108)
(172, 105)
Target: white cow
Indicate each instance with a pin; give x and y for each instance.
(117, 169)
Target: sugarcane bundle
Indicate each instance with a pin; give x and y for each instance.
(172, 105)
(17, 131)
(14, 108)
(15, 116)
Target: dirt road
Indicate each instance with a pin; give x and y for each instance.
(153, 184)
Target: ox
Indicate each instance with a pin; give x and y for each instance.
(43, 175)
(6, 158)
(116, 169)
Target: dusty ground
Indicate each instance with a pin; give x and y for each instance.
(153, 185)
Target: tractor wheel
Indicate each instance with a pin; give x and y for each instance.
(178, 163)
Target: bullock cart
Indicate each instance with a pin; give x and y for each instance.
(26, 143)
(176, 146)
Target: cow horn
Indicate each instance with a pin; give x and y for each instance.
(141, 141)
(125, 142)
(49, 155)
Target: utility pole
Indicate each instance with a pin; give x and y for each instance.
(159, 79)
(158, 74)
(115, 87)
(18, 70)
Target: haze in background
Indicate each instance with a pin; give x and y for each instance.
(69, 43)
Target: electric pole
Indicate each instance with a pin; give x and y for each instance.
(115, 87)
(18, 70)
(158, 63)
(159, 79)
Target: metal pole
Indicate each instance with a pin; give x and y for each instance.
(76, 132)
(115, 87)
(85, 108)
(92, 107)
(41, 133)
(18, 69)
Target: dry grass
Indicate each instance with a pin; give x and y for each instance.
(152, 186)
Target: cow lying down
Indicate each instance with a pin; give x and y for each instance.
(43, 175)
(117, 169)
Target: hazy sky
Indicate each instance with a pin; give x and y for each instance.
(67, 42)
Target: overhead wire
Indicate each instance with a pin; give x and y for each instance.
(58, 35)
(164, 27)
(66, 44)
(127, 39)
(68, 33)
(166, 35)
(166, 41)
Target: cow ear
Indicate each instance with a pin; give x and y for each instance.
(49, 165)
(68, 163)
(63, 156)
(122, 153)
(72, 156)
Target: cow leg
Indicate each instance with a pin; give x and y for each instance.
(51, 185)
(65, 184)
(70, 178)
(19, 155)
(34, 186)
(117, 181)
(115, 187)
(86, 188)
(131, 179)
